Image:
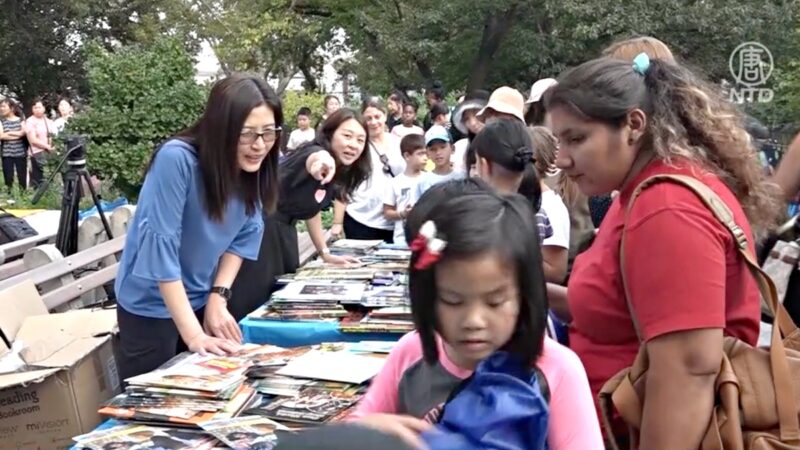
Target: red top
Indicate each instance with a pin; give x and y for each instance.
(682, 268)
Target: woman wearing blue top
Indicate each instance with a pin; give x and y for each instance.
(198, 216)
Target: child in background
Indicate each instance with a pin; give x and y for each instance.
(440, 114)
(485, 292)
(409, 118)
(401, 194)
(437, 141)
(304, 133)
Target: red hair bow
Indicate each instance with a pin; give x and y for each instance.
(428, 246)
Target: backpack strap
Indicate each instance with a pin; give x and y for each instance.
(544, 387)
(789, 423)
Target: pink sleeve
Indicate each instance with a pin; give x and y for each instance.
(381, 397)
(573, 423)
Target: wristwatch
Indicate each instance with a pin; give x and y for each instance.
(223, 291)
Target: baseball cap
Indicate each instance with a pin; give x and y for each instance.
(505, 100)
(538, 88)
(436, 133)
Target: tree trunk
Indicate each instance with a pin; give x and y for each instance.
(495, 29)
(311, 80)
(283, 82)
(424, 70)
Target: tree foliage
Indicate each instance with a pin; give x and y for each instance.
(486, 43)
(267, 37)
(139, 96)
(42, 55)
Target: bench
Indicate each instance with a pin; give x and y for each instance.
(56, 278)
(306, 248)
(54, 275)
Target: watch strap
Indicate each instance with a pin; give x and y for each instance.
(223, 291)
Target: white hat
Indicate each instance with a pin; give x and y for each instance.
(505, 100)
(538, 88)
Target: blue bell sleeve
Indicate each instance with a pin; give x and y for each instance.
(160, 214)
(247, 242)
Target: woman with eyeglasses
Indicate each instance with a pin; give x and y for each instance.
(362, 216)
(198, 216)
(331, 166)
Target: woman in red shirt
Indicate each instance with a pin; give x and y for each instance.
(619, 124)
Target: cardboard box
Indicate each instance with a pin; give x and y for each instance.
(72, 371)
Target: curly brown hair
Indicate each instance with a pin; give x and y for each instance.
(687, 119)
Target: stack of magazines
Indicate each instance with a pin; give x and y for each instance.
(396, 319)
(312, 300)
(188, 390)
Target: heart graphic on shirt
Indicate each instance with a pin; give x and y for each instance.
(320, 195)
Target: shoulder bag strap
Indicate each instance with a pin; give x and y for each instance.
(789, 423)
(383, 158)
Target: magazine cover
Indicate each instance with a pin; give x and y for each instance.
(313, 290)
(312, 406)
(355, 244)
(246, 432)
(141, 437)
(196, 372)
(280, 386)
(334, 274)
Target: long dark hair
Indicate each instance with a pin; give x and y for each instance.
(215, 136)
(507, 144)
(687, 118)
(473, 219)
(347, 178)
(16, 109)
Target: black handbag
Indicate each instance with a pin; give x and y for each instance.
(12, 228)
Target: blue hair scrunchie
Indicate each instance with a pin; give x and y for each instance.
(641, 63)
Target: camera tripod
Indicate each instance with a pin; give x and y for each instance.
(75, 159)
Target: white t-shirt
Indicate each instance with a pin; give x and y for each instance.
(300, 137)
(401, 193)
(557, 212)
(429, 179)
(459, 152)
(366, 204)
(402, 131)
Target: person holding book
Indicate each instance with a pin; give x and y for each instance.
(400, 196)
(332, 166)
(476, 286)
(197, 218)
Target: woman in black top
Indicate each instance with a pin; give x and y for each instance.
(309, 179)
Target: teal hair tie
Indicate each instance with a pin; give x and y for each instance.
(641, 63)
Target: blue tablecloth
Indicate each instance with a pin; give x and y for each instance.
(285, 333)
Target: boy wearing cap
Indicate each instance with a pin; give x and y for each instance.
(440, 149)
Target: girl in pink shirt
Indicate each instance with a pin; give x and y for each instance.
(476, 286)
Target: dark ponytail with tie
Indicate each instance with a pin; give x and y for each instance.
(505, 142)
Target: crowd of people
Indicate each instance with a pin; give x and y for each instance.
(515, 211)
(25, 143)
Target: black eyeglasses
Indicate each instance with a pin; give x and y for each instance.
(250, 137)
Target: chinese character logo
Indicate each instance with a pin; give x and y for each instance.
(751, 64)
